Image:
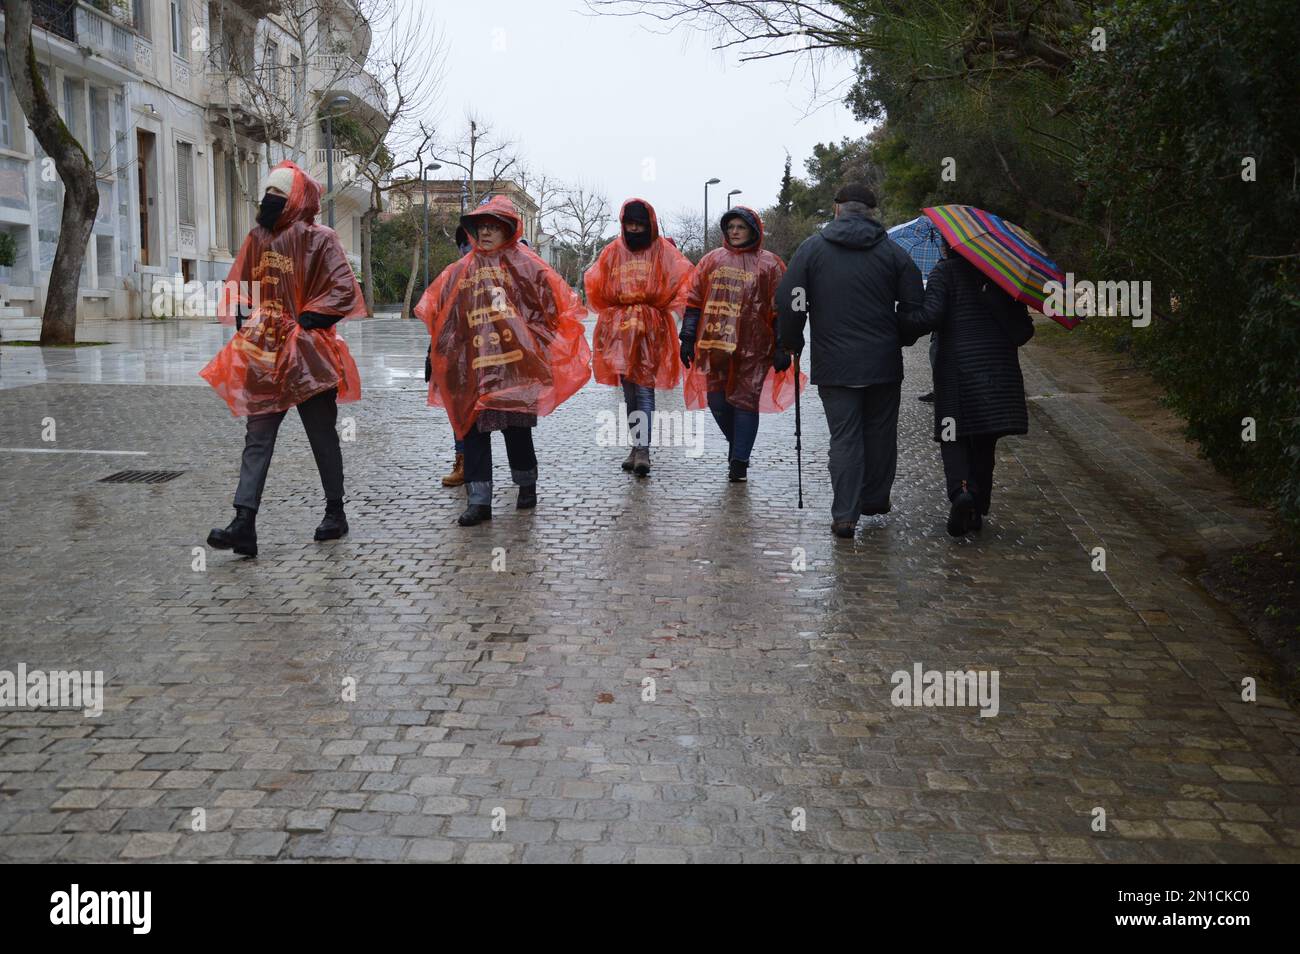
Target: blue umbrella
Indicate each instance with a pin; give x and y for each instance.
(920, 239)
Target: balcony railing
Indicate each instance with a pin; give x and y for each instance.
(106, 35)
(55, 16)
(345, 166)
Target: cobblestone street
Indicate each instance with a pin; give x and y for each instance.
(511, 679)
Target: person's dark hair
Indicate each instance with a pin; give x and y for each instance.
(856, 192)
(855, 208)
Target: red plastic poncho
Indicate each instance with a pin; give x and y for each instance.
(735, 290)
(507, 331)
(635, 294)
(272, 363)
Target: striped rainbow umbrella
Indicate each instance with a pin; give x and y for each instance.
(1003, 251)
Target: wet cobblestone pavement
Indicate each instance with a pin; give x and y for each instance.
(499, 670)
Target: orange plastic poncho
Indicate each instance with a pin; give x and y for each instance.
(506, 328)
(735, 291)
(272, 363)
(634, 295)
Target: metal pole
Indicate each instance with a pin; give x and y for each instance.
(424, 186)
(706, 217)
(798, 427)
(329, 165)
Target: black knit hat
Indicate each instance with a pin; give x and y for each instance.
(636, 212)
(856, 192)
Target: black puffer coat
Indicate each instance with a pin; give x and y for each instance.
(851, 278)
(977, 380)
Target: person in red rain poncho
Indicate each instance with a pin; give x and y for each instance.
(729, 341)
(636, 286)
(508, 346)
(290, 284)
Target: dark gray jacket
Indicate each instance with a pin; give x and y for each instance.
(853, 280)
(977, 380)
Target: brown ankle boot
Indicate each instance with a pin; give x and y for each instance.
(457, 475)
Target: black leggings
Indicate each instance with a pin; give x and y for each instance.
(970, 459)
(319, 415)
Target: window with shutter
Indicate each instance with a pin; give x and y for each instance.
(185, 182)
(6, 134)
(271, 65)
(179, 45)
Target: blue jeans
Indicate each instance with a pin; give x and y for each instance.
(478, 461)
(739, 427)
(460, 446)
(639, 398)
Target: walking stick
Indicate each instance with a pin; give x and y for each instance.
(798, 429)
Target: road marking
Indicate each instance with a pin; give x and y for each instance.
(54, 450)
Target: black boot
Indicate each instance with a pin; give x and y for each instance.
(641, 461)
(335, 524)
(631, 460)
(959, 517)
(527, 498)
(475, 514)
(240, 536)
(738, 471)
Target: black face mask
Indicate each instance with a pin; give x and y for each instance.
(638, 241)
(269, 212)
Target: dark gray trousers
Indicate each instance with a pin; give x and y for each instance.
(864, 446)
(319, 415)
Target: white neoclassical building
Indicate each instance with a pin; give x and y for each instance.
(182, 105)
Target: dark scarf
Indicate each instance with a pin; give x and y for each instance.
(269, 211)
(638, 241)
(637, 212)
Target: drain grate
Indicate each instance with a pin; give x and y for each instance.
(141, 477)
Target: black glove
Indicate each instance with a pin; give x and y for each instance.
(780, 359)
(428, 363)
(688, 351)
(314, 320)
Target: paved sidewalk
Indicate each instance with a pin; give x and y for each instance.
(481, 687)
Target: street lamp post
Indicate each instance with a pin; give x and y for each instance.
(329, 151)
(730, 194)
(424, 187)
(714, 181)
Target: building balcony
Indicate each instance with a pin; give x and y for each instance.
(57, 17)
(351, 22)
(344, 76)
(230, 99)
(104, 28)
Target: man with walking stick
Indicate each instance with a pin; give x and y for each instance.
(848, 281)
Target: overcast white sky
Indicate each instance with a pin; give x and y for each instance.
(593, 98)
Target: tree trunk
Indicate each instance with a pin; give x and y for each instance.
(410, 282)
(80, 194)
(367, 273)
